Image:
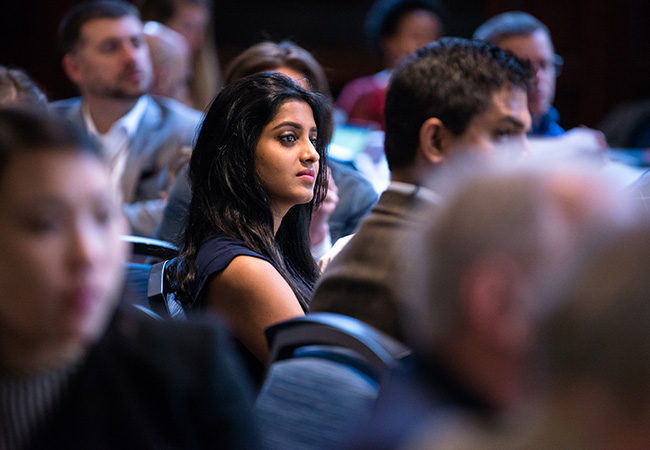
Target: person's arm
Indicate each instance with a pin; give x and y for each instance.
(250, 294)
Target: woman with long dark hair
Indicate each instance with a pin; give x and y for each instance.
(257, 172)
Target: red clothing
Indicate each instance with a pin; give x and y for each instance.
(363, 99)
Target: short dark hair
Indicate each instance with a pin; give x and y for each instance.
(77, 16)
(227, 195)
(513, 23)
(452, 79)
(384, 17)
(26, 130)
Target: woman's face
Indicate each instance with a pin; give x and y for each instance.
(60, 248)
(286, 157)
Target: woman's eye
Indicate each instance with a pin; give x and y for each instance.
(314, 141)
(288, 138)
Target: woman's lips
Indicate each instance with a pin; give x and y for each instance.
(307, 175)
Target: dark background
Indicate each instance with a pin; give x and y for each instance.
(605, 43)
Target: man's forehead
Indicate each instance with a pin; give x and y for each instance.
(528, 46)
(510, 104)
(100, 29)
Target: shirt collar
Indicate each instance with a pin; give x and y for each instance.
(129, 121)
(421, 192)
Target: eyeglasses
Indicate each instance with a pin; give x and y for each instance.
(549, 66)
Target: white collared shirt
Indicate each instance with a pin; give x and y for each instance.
(116, 142)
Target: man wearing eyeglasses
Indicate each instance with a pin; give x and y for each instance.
(528, 38)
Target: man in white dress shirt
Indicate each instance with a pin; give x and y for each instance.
(144, 138)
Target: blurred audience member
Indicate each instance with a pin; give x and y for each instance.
(285, 57)
(530, 39)
(356, 195)
(472, 280)
(170, 59)
(427, 122)
(394, 29)
(74, 373)
(193, 20)
(17, 89)
(598, 352)
(106, 56)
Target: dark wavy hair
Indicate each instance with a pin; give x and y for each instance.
(227, 195)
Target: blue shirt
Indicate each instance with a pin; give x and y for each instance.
(548, 126)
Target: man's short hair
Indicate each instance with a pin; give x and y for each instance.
(453, 79)
(76, 17)
(514, 23)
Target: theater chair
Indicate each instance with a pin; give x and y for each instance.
(324, 376)
(145, 291)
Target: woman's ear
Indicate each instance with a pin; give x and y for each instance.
(433, 136)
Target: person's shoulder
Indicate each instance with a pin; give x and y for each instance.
(221, 243)
(175, 110)
(65, 105)
(346, 175)
(217, 253)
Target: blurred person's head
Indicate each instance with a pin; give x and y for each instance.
(60, 227)
(483, 262)
(18, 89)
(528, 39)
(453, 95)
(105, 52)
(288, 59)
(396, 28)
(244, 187)
(598, 344)
(190, 18)
(284, 57)
(170, 58)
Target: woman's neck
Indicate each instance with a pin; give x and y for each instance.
(278, 215)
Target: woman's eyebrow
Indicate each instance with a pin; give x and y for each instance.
(288, 123)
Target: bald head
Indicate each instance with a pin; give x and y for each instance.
(170, 56)
(474, 276)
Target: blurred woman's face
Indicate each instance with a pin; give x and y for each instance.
(60, 248)
(286, 157)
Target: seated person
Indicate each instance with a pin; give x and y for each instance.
(17, 89)
(170, 59)
(472, 280)
(143, 137)
(192, 20)
(597, 353)
(395, 29)
(529, 39)
(355, 194)
(258, 170)
(74, 373)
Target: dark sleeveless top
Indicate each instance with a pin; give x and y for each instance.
(214, 255)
